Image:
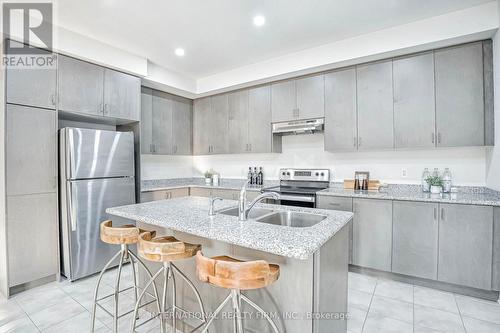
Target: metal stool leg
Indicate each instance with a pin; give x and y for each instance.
(117, 288)
(216, 312)
(96, 290)
(238, 322)
(151, 281)
(155, 290)
(258, 308)
(174, 297)
(166, 277)
(134, 276)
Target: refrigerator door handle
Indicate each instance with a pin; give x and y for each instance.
(72, 212)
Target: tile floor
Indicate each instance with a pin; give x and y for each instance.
(375, 305)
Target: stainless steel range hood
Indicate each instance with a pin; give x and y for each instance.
(299, 127)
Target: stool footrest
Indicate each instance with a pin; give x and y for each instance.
(125, 313)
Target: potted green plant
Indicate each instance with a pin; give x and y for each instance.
(436, 184)
(208, 177)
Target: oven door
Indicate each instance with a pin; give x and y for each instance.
(295, 200)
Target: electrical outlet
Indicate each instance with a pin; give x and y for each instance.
(404, 172)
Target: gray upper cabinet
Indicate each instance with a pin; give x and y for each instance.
(34, 87)
(81, 86)
(298, 99)
(415, 239)
(460, 96)
(465, 245)
(375, 106)
(259, 120)
(182, 126)
(340, 111)
(146, 120)
(218, 124)
(310, 97)
(201, 131)
(162, 123)
(372, 233)
(238, 122)
(31, 158)
(283, 101)
(414, 103)
(121, 95)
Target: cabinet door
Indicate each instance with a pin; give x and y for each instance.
(375, 106)
(164, 194)
(465, 245)
(284, 101)
(460, 96)
(372, 234)
(218, 124)
(33, 87)
(496, 250)
(201, 121)
(146, 121)
(182, 126)
(30, 150)
(414, 103)
(162, 123)
(200, 192)
(259, 120)
(340, 111)
(32, 237)
(415, 239)
(311, 97)
(121, 95)
(238, 122)
(80, 86)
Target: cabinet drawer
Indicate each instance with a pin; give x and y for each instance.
(334, 203)
(164, 194)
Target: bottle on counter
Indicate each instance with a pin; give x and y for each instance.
(255, 175)
(250, 175)
(425, 185)
(447, 180)
(436, 173)
(260, 177)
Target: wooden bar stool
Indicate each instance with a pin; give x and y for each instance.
(124, 235)
(237, 275)
(166, 250)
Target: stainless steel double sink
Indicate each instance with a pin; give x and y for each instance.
(284, 218)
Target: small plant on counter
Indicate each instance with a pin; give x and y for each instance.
(208, 177)
(436, 183)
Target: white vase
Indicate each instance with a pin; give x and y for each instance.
(436, 189)
(208, 181)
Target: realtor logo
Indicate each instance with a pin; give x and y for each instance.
(32, 22)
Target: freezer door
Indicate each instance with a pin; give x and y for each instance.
(90, 153)
(86, 202)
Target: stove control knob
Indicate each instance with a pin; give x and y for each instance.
(288, 173)
(322, 174)
(283, 173)
(317, 174)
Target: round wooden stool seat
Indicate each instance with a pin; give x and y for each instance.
(230, 273)
(165, 248)
(124, 234)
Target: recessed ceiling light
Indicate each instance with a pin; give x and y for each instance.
(259, 20)
(179, 52)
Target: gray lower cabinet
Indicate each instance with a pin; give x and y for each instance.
(146, 120)
(375, 106)
(182, 126)
(162, 123)
(32, 237)
(33, 87)
(341, 130)
(202, 110)
(465, 245)
(164, 194)
(238, 117)
(415, 239)
(310, 97)
(259, 120)
(283, 101)
(81, 86)
(372, 233)
(31, 158)
(460, 96)
(414, 102)
(122, 95)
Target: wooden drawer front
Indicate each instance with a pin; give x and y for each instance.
(164, 194)
(334, 203)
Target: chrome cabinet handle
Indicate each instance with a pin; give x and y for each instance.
(435, 213)
(439, 137)
(359, 141)
(433, 137)
(442, 214)
(53, 99)
(355, 141)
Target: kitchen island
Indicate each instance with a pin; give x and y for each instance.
(311, 293)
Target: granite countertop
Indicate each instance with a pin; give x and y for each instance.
(226, 184)
(466, 195)
(190, 215)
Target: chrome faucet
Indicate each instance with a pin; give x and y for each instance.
(211, 207)
(243, 210)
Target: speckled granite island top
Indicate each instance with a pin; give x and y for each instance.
(226, 184)
(190, 215)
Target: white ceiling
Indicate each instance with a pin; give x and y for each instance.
(219, 35)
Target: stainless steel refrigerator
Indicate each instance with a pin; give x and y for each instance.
(96, 172)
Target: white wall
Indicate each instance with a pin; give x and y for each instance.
(164, 167)
(466, 164)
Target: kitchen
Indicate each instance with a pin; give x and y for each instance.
(344, 179)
